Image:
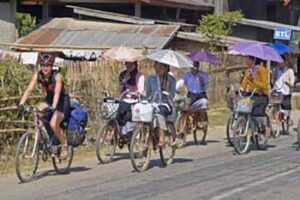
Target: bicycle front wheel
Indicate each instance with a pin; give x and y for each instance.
(167, 152)
(229, 131)
(27, 156)
(181, 129)
(241, 137)
(140, 148)
(62, 166)
(106, 143)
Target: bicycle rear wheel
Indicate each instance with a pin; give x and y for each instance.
(27, 156)
(167, 152)
(181, 129)
(140, 148)
(62, 166)
(106, 143)
(298, 134)
(241, 137)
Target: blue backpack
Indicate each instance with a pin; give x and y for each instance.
(76, 124)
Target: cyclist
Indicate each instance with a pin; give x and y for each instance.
(284, 79)
(161, 88)
(131, 84)
(256, 77)
(196, 81)
(57, 99)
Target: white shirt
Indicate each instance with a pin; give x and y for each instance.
(280, 86)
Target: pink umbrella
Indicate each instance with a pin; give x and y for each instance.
(123, 54)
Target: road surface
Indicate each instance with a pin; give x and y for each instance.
(209, 172)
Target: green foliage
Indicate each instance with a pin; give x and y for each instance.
(216, 27)
(25, 23)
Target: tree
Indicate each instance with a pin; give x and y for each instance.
(217, 27)
(25, 23)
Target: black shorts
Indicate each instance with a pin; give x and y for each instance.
(259, 105)
(286, 102)
(63, 105)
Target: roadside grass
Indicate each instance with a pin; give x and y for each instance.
(218, 117)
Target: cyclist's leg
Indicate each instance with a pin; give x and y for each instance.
(55, 122)
(161, 117)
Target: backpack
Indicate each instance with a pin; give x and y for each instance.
(76, 125)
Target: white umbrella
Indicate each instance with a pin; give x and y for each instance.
(123, 54)
(171, 58)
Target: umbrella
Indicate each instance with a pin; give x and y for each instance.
(204, 56)
(281, 48)
(171, 58)
(257, 50)
(123, 54)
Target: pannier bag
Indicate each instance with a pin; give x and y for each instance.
(142, 112)
(76, 125)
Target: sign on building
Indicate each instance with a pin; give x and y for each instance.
(282, 34)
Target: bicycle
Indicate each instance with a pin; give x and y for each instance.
(144, 139)
(231, 104)
(109, 135)
(280, 119)
(185, 123)
(247, 127)
(39, 138)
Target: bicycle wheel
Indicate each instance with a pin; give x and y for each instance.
(229, 131)
(62, 166)
(259, 136)
(285, 127)
(27, 156)
(106, 143)
(167, 152)
(275, 130)
(241, 137)
(181, 130)
(140, 148)
(298, 134)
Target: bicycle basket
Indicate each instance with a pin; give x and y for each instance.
(109, 108)
(244, 105)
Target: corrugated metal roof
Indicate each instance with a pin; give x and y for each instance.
(201, 3)
(61, 33)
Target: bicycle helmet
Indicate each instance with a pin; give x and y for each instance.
(46, 59)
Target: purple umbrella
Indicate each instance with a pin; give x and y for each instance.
(204, 56)
(257, 50)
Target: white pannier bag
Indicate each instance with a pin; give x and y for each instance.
(142, 112)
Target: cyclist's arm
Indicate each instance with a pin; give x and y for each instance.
(262, 83)
(141, 84)
(57, 90)
(29, 89)
(179, 84)
(245, 80)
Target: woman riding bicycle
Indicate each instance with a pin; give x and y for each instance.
(196, 82)
(284, 79)
(131, 84)
(256, 77)
(161, 88)
(57, 100)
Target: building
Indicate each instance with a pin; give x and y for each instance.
(8, 31)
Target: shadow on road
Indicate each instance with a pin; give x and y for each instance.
(46, 173)
(192, 143)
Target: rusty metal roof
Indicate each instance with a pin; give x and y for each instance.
(67, 33)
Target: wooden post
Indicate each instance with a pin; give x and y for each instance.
(138, 9)
(221, 6)
(45, 10)
(178, 10)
